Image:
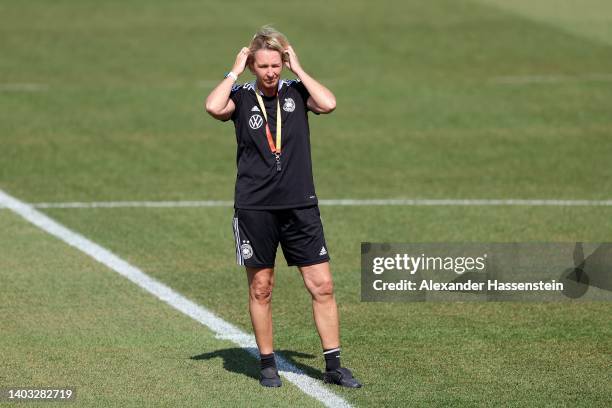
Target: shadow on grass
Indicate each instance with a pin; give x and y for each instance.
(245, 361)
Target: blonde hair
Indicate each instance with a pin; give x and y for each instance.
(267, 37)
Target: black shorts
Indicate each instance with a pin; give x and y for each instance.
(299, 231)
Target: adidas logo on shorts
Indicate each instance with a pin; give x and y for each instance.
(323, 251)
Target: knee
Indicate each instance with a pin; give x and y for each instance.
(261, 291)
(322, 289)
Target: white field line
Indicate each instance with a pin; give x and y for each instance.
(220, 327)
(551, 78)
(121, 204)
(23, 87)
(339, 202)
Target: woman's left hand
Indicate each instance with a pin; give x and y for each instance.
(293, 63)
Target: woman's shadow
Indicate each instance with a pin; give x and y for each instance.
(241, 361)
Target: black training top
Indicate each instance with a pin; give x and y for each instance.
(258, 183)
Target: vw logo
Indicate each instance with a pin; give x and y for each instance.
(255, 121)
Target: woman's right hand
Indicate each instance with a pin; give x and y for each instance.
(241, 60)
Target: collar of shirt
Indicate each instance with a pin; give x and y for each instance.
(281, 82)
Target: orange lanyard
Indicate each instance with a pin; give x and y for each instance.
(276, 149)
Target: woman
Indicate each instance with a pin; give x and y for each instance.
(275, 200)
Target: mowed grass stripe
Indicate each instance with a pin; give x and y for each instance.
(417, 113)
(588, 18)
(67, 321)
(434, 354)
(221, 328)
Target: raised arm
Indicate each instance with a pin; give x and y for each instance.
(218, 103)
(321, 99)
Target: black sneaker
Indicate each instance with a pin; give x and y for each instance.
(269, 377)
(342, 376)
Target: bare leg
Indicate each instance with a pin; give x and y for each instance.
(318, 281)
(261, 282)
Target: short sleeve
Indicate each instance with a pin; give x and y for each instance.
(236, 97)
(299, 86)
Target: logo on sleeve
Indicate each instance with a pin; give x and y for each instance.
(255, 121)
(289, 105)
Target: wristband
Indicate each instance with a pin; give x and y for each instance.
(232, 75)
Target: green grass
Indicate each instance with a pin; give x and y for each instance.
(69, 321)
(425, 110)
(440, 353)
(589, 18)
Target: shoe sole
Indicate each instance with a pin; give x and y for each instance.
(271, 385)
